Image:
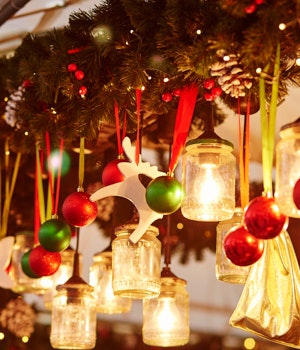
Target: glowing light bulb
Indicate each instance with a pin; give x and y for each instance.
(166, 318)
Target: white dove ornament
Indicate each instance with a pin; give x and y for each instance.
(132, 189)
(6, 246)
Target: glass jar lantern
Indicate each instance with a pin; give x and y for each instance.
(74, 316)
(24, 241)
(288, 168)
(136, 266)
(226, 271)
(166, 318)
(101, 280)
(208, 179)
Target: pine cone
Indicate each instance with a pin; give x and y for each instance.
(231, 77)
(18, 317)
(11, 107)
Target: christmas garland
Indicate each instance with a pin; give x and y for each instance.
(67, 80)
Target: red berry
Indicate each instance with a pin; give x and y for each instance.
(259, 2)
(250, 9)
(167, 97)
(176, 92)
(79, 74)
(216, 91)
(208, 84)
(72, 67)
(82, 90)
(26, 83)
(208, 96)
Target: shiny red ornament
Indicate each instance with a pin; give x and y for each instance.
(82, 90)
(296, 194)
(79, 74)
(242, 248)
(167, 97)
(208, 83)
(78, 210)
(263, 218)
(111, 173)
(42, 262)
(72, 67)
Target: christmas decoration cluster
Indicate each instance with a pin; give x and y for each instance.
(68, 79)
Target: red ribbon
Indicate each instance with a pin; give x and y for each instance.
(185, 110)
(117, 117)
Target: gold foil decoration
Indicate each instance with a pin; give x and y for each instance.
(270, 302)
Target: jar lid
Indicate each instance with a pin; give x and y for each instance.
(290, 129)
(209, 137)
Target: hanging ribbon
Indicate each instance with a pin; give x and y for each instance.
(244, 152)
(53, 197)
(119, 138)
(9, 187)
(81, 165)
(186, 106)
(268, 122)
(138, 94)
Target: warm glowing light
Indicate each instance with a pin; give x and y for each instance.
(249, 343)
(25, 339)
(282, 26)
(298, 61)
(179, 226)
(26, 133)
(258, 70)
(166, 80)
(56, 161)
(226, 58)
(2, 335)
(212, 185)
(198, 31)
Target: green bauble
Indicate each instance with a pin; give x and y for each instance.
(55, 235)
(164, 194)
(26, 267)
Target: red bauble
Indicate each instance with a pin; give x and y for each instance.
(42, 262)
(82, 90)
(167, 97)
(242, 248)
(72, 67)
(78, 210)
(296, 194)
(208, 83)
(111, 173)
(263, 218)
(79, 74)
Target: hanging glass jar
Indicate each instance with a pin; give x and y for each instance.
(136, 266)
(208, 179)
(74, 316)
(226, 271)
(24, 240)
(101, 280)
(288, 168)
(62, 274)
(166, 317)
